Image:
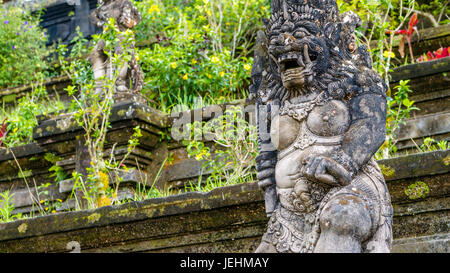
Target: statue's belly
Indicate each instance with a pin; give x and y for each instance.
(288, 169)
(319, 134)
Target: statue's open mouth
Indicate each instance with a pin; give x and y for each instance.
(295, 68)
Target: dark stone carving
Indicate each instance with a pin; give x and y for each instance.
(321, 112)
(130, 79)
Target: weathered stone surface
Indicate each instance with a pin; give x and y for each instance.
(415, 165)
(418, 70)
(54, 86)
(438, 243)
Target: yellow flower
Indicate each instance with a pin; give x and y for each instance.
(53, 211)
(46, 209)
(173, 65)
(15, 130)
(137, 58)
(104, 179)
(185, 77)
(214, 59)
(209, 76)
(386, 54)
(221, 73)
(103, 200)
(42, 201)
(194, 61)
(247, 67)
(153, 8)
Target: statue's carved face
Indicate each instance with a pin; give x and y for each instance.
(297, 44)
(298, 50)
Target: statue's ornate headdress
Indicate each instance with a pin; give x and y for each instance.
(307, 46)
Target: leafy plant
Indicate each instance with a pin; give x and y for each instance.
(231, 159)
(431, 145)
(6, 207)
(437, 11)
(22, 47)
(23, 117)
(437, 54)
(407, 35)
(92, 112)
(398, 111)
(200, 49)
(58, 172)
(3, 131)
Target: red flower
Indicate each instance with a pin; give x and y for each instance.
(407, 35)
(3, 131)
(441, 52)
(438, 54)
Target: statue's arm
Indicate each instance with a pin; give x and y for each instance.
(367, 131)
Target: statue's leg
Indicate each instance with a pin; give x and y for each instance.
(345, 223)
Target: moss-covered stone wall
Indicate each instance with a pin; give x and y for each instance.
(230, 219)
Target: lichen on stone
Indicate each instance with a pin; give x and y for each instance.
(417, 190)
(22, 228)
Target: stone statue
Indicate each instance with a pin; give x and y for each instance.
(321, 114)
(130, 79)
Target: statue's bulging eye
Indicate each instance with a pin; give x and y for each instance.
(299, 34)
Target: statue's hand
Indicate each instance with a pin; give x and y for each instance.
(325, 170)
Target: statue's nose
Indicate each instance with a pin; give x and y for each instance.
(288, 39)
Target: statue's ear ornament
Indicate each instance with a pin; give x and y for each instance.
(352, 47)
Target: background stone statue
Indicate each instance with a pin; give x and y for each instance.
(321, 112)
(130, 79)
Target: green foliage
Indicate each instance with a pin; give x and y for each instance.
(22, 47)
(399, 107)
(22, 118)
(231, 160)
(431, 145)
(57, 171)
(6, 207)
(439, 9)
(200, 48)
